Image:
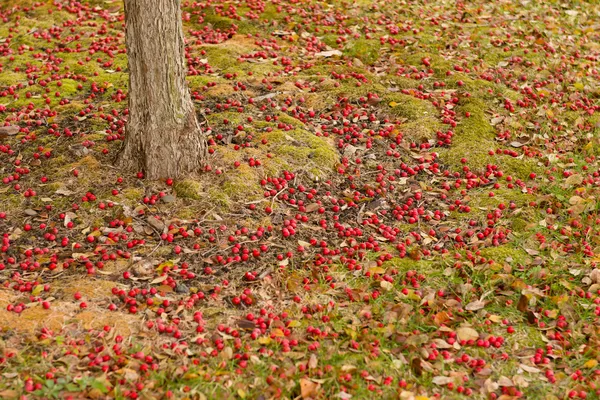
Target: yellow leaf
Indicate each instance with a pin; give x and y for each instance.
(278, 332)
(590, 364)
(393, 104)
(37, 290)
(264, 340)
(560, 299)
(351, 333)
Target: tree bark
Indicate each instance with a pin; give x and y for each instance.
(163, 137)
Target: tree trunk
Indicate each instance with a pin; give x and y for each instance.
(163, 137)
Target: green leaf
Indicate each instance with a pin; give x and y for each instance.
(37, 290)
(100, 385)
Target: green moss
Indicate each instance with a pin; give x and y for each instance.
(218, 198)
(365, 50)
(234, 119)
(405, 83)
(438, 64)
(422, 129)
(500, 254)
(67, 89)
(407, 263)
(289, 120)
(520, 167)
(53, 187)
(217, 21)
(11, 78)
(299, 149)
(473, 138)
(95, 137)
(199, 81)
(481, 203)
(243, 183)
(406, 106)
(349, 88)
(58, 160)
(133, 194)
(479, 88)
(226, 57)
(188, 189)
(330, 40)
(186, 213)
(523, 222)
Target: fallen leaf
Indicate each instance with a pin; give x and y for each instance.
(467, 333)
(308, 388)
(160, 279)
(415, 365)
(504, 381)
(10, 130)
(528, 368)
(574, 180)
(475, 305)
(329, 53)
(523, 303)
(442, 380)
(441, 318)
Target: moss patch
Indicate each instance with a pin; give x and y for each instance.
(365, 50)
(406, 106)
(188, 189)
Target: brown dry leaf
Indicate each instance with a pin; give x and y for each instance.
(10, 130)
(523, 303)
(504, 381)
(95, 394)
(531, 369)
(416, 366)
(9, 394)
(595, 275)
(573, 180)
(160, 279)
(475, 305)
(441, 318)
(312, 207)
(129, 374)
(313, 361)
(531, 317)
(442, 380)
(308, 388)
(245, 324)
(442, 344)
(164, 289)
(467, 333)
(304, 244)
(329, 53)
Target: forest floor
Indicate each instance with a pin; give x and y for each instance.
(401, 201)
